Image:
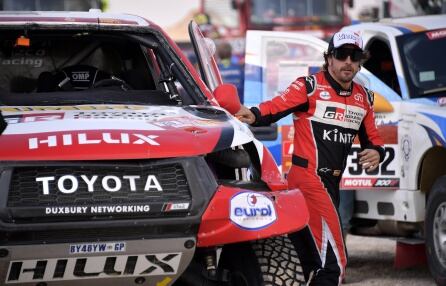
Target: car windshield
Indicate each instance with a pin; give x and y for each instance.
(421, 55)
(316, 11)
(49, 5)
(69, 67)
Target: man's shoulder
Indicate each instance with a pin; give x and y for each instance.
(369, 93)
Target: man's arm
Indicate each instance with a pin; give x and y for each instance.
(294, 98)
(371, 142)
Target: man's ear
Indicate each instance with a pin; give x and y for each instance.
(330, 60)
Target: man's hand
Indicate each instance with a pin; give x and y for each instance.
(369, 159)
(245, 115)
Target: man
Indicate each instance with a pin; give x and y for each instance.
(329, 111)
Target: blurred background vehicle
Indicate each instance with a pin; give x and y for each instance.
(52, 5)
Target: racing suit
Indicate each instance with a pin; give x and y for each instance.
(327, 119)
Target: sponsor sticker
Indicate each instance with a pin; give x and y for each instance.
(334, 113)
(25, 118)
(73, 139)
(441, 101)
(369, 183)
(336, 135)
(358, 97)
(406, 147)
(33, 58)
(438, 34)
(68, 184)
(77, 268)
(252, 211)
(324, 95)
(168, 207)
(89, 210)
(69, 107)
(97, 247)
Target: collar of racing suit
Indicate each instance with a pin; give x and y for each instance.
(337, 87)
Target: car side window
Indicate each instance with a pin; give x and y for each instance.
(381, 64)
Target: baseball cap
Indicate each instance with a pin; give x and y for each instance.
(343, 38)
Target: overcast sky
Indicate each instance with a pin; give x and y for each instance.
(163, 12)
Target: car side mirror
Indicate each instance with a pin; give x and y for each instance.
(227, 96)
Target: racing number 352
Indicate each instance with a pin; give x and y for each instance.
(356, 168)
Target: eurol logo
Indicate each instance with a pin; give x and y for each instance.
(252, 211)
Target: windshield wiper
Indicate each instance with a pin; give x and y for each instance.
(434, 90)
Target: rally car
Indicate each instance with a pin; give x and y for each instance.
(121, 164)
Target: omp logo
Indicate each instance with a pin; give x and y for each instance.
(337, 136)
(335, 113)
(82, 139)
(68, 184)
(27, 271)
(80, 76)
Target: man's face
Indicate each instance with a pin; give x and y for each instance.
(343, 63)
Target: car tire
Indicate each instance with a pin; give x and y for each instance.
(435, 231)
(271, 261)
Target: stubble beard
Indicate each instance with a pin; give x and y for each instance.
(346, 78)
(340, 76)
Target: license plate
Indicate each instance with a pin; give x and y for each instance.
(98, 247)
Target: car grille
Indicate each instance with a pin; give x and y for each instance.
(168, 199)
(25, 191)
(102, 191)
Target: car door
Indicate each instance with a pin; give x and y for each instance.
(272, 61)
(204, 51)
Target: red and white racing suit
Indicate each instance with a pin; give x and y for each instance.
(327, 119)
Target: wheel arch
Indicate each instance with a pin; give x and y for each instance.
(431, 168)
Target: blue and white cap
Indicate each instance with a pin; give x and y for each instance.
(345, 38)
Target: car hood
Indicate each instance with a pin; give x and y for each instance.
(98, 132)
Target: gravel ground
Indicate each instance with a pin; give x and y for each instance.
(371, 263)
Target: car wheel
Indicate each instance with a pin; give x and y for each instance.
(271, 261)
(435, 231)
